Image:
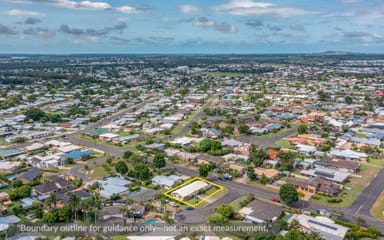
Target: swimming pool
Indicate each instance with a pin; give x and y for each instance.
(149, 221)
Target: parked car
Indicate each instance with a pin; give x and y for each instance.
(276, 200)
(189, 208)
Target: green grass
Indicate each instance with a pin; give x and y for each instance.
(99, 171)
(3, 142)
(377, 162)
(348, 196)
(377, 209)
(236, 204)
(368, 172)
(284, 143)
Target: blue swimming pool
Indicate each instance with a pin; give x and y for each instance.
(149, 221)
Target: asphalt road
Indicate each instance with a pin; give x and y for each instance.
(197, 117)
(266, 142)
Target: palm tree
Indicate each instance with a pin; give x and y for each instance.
(51, 200)
(73, 201)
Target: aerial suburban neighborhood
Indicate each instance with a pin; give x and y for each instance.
(292, 144)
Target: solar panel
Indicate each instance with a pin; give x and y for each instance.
(325, 174)
(322, 224)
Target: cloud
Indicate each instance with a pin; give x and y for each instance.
(91, 34)
(350, 1)
(274, 28)
(127, 9)
(4, 30)
(251, 8)
(38, 32)
(203, 22)
(189, 9)
(297, 27)
(89, 5)
(32, 20)
(23, 13)
(223, 27)
(255, 23)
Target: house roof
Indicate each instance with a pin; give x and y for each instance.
(10, 152)
(265, 211)
(166, 180)
(30, 174)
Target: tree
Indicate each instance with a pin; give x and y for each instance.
(348, 100)
(258, 156)
(50, 217)
(203, 170)
(243, 129)
(302, 129)
(77, 182)
(121, 167)
(51, 200)
(205, 145)
(127, 154)
(159, 161)
(217, 218)
(142, 171)
(251, 173)
(225, 210)
(65, 214)
(69, 161)
(35, 114)
(288, 193)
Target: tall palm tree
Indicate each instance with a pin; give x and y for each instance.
(51, 200)
(73, 201)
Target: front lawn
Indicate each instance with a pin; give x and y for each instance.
(348, 196)
(377, 209)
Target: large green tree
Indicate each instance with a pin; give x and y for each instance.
(203, 170)
(159, 161)
(121, 167)
(35, 114)
(225, 210)
(288, 193)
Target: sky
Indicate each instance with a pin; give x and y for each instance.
(191, 26)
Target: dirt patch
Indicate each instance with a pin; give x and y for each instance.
(359, 181)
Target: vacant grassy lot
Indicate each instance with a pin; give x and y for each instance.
(236, 204)
(377, 209)
(284, 143)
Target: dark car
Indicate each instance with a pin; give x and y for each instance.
(189, 208)
(276, 200)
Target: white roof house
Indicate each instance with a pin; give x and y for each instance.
(34, 146)
(322, 225)
(69, 148)
(165, 181)
(190, 189)
(348, 154)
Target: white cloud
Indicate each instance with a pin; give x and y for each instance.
(127, 9)
(189, 9)
(350, 1)
(23, 13)
(251, 8)
(82, 5)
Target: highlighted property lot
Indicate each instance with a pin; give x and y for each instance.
(194, 192)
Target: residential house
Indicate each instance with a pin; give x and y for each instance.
(207, 159)
(324, 226)
(29, 175)
(165, 181)
(261, 212)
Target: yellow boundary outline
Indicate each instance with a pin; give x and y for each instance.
(167, 193)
